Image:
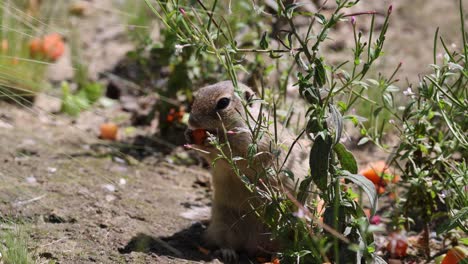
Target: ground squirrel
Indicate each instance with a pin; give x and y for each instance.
(218, 108)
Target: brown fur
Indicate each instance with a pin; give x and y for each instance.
(233, 224)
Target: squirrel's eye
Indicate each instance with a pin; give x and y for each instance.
(222, 103)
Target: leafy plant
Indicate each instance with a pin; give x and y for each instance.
(343, 235)
(173, 69)
(73, 104)
(88, 92)
(433, 145)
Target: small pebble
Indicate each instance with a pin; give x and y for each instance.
(122, 181)
(109, 187)
(110, 198)
(31, 180)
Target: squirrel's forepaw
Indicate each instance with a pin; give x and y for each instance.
(227, 255)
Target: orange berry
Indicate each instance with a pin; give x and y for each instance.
(53, 46)
(35, 47)
(380, 189)
(108, 131)
(170, 118)
(374, 171)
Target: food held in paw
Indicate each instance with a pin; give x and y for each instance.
(199, 136)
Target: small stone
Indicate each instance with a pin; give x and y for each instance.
(31, 180)
(110, 198)
(122, 181)
(109, 187)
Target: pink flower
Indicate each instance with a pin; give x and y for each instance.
(353, 20)
(182, 11)
(375, 220)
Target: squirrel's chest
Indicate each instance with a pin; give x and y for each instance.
(227, 185)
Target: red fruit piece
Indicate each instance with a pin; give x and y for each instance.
(199, 136)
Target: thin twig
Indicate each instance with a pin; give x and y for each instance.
(29, 201)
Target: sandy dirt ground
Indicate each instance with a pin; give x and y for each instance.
(83, 200)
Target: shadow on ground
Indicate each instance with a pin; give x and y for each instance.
(184, 244)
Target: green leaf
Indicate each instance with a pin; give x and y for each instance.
(288, 173)
(319, 74)
(338, 121)
(319, 160)
(365, 185)
(264, 41)
(343, 106)
(93, 91)
(73, 104)
(363, 141)
(304, 189)
(454, 221)
(320, 18)
(464, 241)
(346, 158)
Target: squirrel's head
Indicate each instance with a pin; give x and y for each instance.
(219, 104)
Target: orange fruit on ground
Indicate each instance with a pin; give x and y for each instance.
(374, 171)
(108, 131)
(380, 189)
(199, 136)
(454, 256)
(397, 245)
(35, 47)
(53, 46)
